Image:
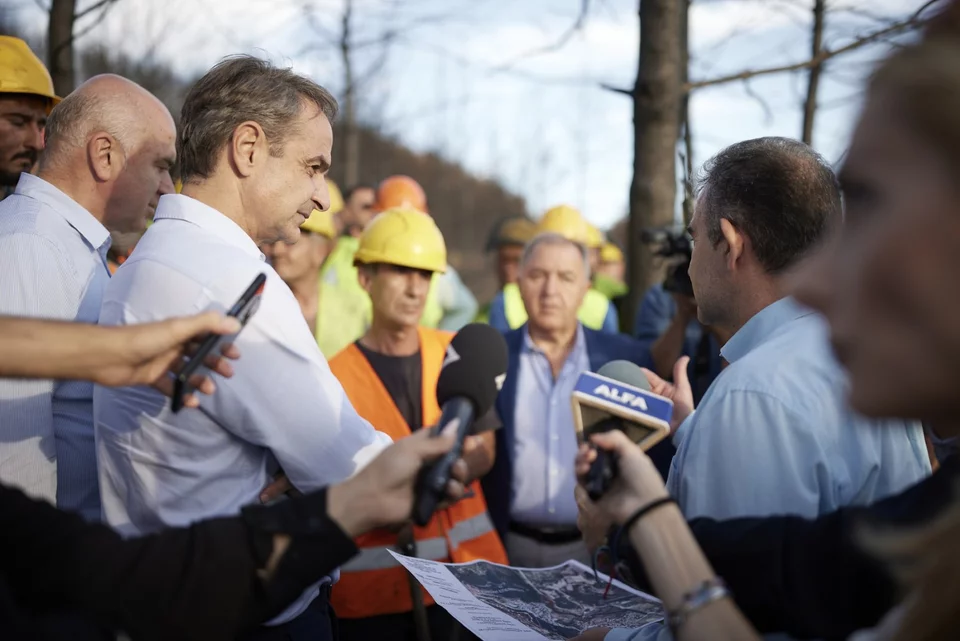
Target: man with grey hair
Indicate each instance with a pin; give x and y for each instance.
(530, 490)
(254, 148)
(109, 148)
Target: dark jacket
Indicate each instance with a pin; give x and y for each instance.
(602, 348)
(812, 578)
(196, 583)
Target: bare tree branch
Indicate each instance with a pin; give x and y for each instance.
(104, 6)
(767, 111)
(555, 46)
(620, 90)
(913, 22)
(96, 5)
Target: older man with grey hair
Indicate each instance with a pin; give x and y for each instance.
(254, 146)
(530, 490)
(109, 148)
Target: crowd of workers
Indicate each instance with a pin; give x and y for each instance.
(819, 349)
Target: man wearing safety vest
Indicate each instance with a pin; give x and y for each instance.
(596, 312)
(450, 304)
(299, 264)
(506, 243)
(608, 278)
(390, 376)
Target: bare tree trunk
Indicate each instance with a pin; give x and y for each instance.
(60, 45)
(351, 157)
(656, 118)
(813, 80)
(685, 112)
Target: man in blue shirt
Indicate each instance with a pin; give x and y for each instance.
(530, 489)
(774, 433)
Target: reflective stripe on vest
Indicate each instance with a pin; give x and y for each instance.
(435, 549)
(592, 312)
(469, 529)
(460, 533)
(379, 558)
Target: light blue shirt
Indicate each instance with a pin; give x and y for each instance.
(774, 434)
(53, 264)
(544, 439)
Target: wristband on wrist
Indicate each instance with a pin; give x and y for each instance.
(642, 512)
(706, 593)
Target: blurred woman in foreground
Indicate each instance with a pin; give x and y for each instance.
(888, 286)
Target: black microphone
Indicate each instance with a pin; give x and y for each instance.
(473, 371)
(617, 397)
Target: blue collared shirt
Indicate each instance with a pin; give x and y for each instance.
(544, 439)
(774, 433)
(53, 264)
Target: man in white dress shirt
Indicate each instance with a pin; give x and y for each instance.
(109, 148)
(254, 145)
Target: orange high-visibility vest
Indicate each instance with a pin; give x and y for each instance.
(373, 583)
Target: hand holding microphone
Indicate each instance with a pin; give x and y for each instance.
(617, 398)
(470, 379)
(638, 483)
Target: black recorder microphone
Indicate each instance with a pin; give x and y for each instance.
(618, 397)
(470, 379)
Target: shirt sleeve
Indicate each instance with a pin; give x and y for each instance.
(733, 460)
(303, 417)
(36, 281)
(653, 317)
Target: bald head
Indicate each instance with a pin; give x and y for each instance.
(115, 142)
(106, 103)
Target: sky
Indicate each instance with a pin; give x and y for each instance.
(480, 82)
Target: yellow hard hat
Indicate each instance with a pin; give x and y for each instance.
(336, 198)
(517, 230)
(403, 236)
(321, 222)
(566, 221)
(610, 253)
(22, 72)
(594, 236)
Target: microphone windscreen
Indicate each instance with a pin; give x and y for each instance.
(625, 372)
(474, 367)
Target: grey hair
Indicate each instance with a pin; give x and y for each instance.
(552, 238)
(80, 114)
(238, 89)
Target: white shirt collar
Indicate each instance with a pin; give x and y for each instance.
(180, 207)
(76, 216)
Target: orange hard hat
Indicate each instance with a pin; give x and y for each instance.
(400, 191)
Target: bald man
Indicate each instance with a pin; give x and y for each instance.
(109, 148)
